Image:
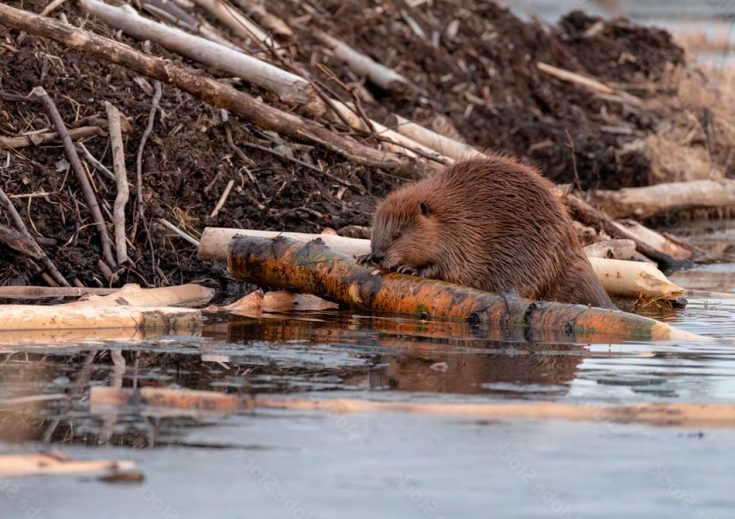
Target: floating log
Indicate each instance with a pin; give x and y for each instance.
(315, 268)
(644, 202)
(658, 414)
(56, 463)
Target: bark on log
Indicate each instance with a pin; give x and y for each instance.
(290, 88)
(217, 94)
(634, 278)
(316, 269)
(644, 202)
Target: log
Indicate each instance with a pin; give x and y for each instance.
(316, 269)
(215, 241)
(447, 146)
(385, 77)
(588, 215)
(644, 202)
(189, 295)
(290, 88)
(213, 92)
(634, 278)
(658, 414)
(612, 249)
(55, 463)
(71, 316)
(655, 239)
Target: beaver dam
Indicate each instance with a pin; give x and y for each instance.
(185, 187)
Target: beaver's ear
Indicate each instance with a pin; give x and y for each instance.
(423, 209)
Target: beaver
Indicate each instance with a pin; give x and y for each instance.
(494, 224)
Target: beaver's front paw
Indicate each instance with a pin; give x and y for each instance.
(362, 259)
(407, 269)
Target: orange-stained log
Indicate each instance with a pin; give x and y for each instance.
(316, 269)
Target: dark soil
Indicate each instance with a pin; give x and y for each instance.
(481, 83)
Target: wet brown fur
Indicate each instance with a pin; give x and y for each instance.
(493, 224)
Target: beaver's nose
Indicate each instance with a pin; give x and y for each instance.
(377, 256)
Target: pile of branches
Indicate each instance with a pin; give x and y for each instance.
(125, 130)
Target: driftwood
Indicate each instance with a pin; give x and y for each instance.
(385, 77)
(644, 202)
(56, 463)
(442, 144)
(657, 414)
(634, 278)
(654, 239)
(211, 91)
(588, 215)
(133, 295)
(316, 269)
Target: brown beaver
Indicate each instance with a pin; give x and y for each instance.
(493, 224)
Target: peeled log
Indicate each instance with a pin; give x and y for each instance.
(314, 268)
(644, 202)
(634, 278)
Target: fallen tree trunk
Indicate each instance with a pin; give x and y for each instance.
(644, 202)
(636, 278)
(656, 240)
(213, 92)
(316, 269)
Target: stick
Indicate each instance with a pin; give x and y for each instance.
(644, 202)
(385, 77)
(96, 164)
(222, 199)
(589, 83)
(272, 22)
(36, 139)
(71, 153)
(18, 242)
(437, 142)
(237, 23)
(40, 253)
(132, 295)
(209, 90)
(314, 268)
(155, 106)
(188, 237)
(290, 88)
(121, 175)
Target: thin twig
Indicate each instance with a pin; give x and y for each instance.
(155, 107)
(121, 175)
(96, 164)
(222, 199)
(71, 152)
(171, 227)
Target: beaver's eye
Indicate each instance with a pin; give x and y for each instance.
(396, 235)
(423, 209)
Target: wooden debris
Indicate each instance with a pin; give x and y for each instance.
(71, 153)
(612, 249)
(635, 278)
(37, 139)
(690, 415)
(214, 92)
(644, 202)
(56, 464)
(190, 295)
(589, 83)
(33, 292)
(447, 146)
(385, 77)
(316, 269)
(656, 240)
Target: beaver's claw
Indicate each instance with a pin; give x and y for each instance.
(407, 269)
(361, 259)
